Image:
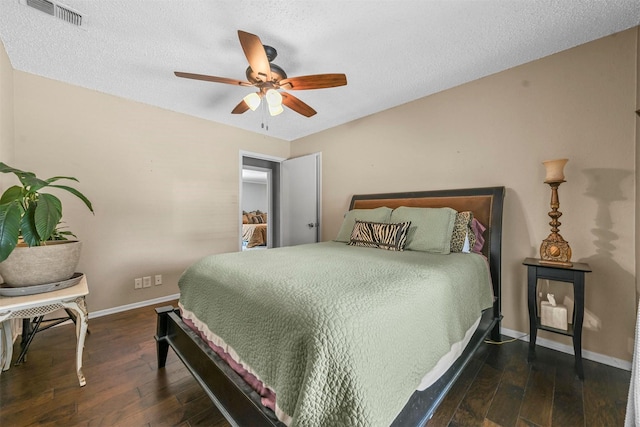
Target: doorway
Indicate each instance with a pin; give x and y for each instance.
(292, 188)
(260, 191)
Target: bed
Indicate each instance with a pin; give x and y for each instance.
(254, 229)
(242, 405)
(254, 235)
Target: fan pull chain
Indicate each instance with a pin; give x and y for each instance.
(265, 117)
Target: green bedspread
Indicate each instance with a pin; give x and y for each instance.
(342, 334)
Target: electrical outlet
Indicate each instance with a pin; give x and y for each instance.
(158, 279)
(146, 282)
(137, 283)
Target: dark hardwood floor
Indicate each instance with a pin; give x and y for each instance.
(124, 388)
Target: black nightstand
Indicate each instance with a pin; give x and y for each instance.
(574, 274)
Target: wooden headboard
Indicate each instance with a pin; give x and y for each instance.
(486, 204)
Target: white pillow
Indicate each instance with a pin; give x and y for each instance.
(465, 246)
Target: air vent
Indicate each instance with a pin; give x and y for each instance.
(58, 10)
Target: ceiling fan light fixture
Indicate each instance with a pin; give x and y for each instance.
(274, 98)
(252, 100)
(267, 78)
(274, 110)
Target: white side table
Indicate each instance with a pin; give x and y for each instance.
(28, 306)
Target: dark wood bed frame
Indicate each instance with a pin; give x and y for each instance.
(241, 405)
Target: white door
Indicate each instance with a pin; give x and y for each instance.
(300, 200)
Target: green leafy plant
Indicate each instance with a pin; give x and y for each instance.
(27, 213)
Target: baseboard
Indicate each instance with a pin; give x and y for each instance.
(589, 355)
(126, 307)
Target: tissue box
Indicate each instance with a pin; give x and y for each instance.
(553, 316)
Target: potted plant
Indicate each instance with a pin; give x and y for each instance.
(31, 231)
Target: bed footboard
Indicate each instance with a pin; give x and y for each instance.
(239, 404)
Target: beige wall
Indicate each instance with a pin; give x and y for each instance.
(496, 131)
(6, 111)
(637, 163)
(165, 186)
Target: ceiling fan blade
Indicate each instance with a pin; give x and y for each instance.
(211, 78)
(240, 108)
(296, 105)
(316, 81)
(257, 57)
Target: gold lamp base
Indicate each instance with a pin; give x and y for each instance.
(555, 251)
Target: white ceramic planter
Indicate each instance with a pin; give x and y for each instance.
(38, 265)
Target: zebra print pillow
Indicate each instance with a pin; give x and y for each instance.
(392, 237)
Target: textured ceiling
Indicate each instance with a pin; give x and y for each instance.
(392, 52)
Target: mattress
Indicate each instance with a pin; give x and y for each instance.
(254, 234)
(342, 335)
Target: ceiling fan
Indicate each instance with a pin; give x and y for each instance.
(270, 80)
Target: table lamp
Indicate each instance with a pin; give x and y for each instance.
(554, 249)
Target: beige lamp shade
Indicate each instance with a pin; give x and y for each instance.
(274, 97)
(252, 100)
(555, 170)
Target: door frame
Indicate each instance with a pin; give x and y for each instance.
(273, 221)
(269, 188)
